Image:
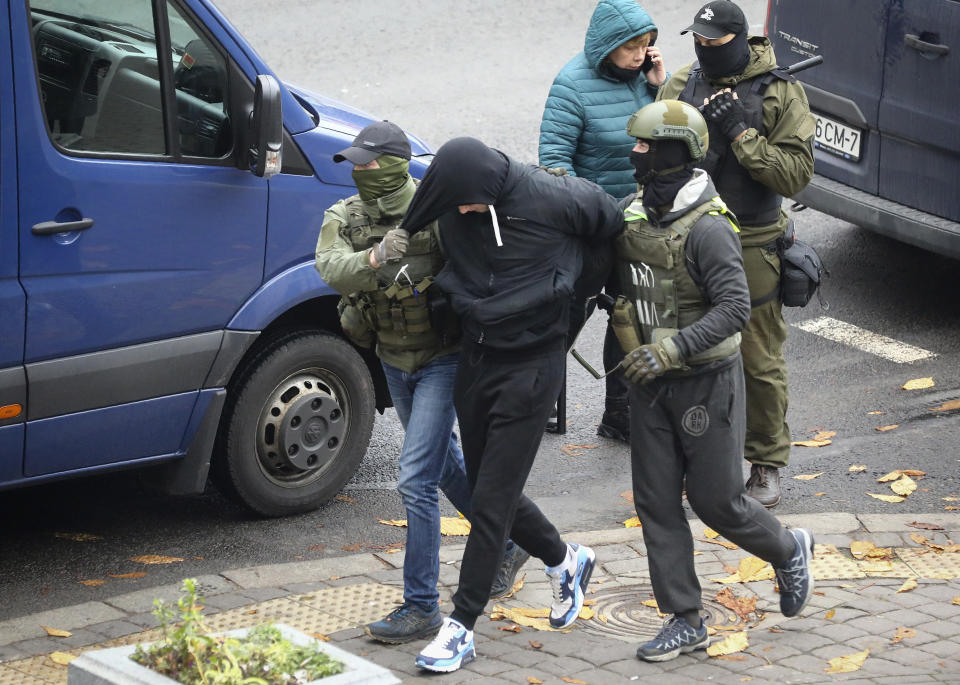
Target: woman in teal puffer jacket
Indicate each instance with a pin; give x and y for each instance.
(619, 71)
(584, 130)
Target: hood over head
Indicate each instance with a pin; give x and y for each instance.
(464, 171)
(613, 23)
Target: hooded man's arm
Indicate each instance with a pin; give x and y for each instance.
(589, 211)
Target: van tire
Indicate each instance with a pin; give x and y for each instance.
(296, 425)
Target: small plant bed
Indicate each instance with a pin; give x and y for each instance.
(188, 654)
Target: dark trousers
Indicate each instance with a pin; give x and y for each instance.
(502, 405)
(690, 430)
(617, 385)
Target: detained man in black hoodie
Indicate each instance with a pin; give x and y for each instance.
(515, 238)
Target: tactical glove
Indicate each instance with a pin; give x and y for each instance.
(647, 362)
(727, 113)
(392, 247)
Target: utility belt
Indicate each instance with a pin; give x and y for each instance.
(801, 271)
(631, 333)
(403, 317)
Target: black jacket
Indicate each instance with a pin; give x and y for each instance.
(516, 295)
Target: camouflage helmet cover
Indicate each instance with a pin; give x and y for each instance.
(671, 120)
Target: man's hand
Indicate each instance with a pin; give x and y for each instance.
(647, 362)
(554, 170)
(726, 111)
(392, 247)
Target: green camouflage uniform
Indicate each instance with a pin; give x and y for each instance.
(782, 161)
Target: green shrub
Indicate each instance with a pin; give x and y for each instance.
(188, 653)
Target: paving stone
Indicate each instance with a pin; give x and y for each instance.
(909, 656)
(225, 601)
(145, 620)
(840, 632)
(564, 665)
(874, 625)
(941, 648)
(944, 629)
(524, 658)
(488, 666)
(625, 566)
(943, 610)
(11, 653)
(904, 680)
(108, 630)
(938, 591)
(879, 666)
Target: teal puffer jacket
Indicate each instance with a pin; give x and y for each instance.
(585, 119)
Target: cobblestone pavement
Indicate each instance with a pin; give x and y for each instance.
(860, 605)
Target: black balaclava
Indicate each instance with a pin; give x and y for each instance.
(621, 74)
(729, 59)
(670, 156)
(463, 172)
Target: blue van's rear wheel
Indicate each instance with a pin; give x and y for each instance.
(297, 423)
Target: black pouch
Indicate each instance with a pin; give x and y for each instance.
(801, 271)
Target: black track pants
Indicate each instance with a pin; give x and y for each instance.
(689, 432)
(502, 406)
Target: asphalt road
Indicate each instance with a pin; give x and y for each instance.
(483, 69)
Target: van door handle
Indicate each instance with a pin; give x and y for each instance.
(913, 41)
(51, 227)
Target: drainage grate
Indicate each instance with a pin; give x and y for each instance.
(620, 614)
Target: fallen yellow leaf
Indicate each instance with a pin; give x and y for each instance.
(904, 486)
(586, 613)
(722, 543)
(454, 526)
(950, 499)
(887, 498)
(573, 680)
(950, 507)
(344, 498)
(857, 467)
(899, 473)
(62, 658)
(529, 618)
(919, 539)
(534, 681)
(955, 600)
(750, 569)
(948, 406)
(319, 636)
(824, 435)
(711, 533)
(880, 553)
(808, 476)
(859, 548)
(830, 614)
(741, 606)
(155, 559)
(56, 632)
(737, 642)
(876, 413)
(517, 585)
(819, 494)
(908, 585)
(627, 495)
(902, 634)
(133, 574)
(919, 384)
(399, 523)
(812, 443)
(847, 664)
(884, 429)
(632, 522)
(93, 582)
(78, 537)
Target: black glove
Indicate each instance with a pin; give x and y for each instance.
(392, 247)
(647, 362)
(726, 111)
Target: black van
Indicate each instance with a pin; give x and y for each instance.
(887, 102)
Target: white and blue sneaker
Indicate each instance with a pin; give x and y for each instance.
(794, 578)
(569, 581)
(450, 649)
(675, 638)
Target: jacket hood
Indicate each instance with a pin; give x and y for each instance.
(613, 23)
(762, 60)
(463, 172)
(695, 192)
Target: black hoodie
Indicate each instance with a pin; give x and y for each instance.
(510, 272)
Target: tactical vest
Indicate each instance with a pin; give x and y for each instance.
(398, 310)
(659, 296)
(753, 203)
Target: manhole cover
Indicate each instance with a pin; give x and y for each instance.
(620, 614)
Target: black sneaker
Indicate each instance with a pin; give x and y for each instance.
(406, 623)
(615, 424)
(675, 638)
(552, 425)
(513, 559)
(794, 578)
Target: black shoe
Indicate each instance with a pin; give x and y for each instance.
(764, 485)
(552, 425)
(406, 623)
(676, 637)
(794, 578)
(513, 559)
(615, 424)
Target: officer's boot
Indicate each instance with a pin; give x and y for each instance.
(764, 485)
(616, 419)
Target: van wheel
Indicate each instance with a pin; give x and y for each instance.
(296, 425)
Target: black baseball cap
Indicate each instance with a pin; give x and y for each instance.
(379, 138)
(718, 18)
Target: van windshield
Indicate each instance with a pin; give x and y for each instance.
(134, 19)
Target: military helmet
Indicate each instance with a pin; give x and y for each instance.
(671, 120)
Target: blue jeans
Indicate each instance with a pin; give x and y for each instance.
(430, 458)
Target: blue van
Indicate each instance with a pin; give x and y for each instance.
(161, 194)
(888, 128)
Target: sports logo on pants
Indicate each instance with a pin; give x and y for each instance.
(696, 420)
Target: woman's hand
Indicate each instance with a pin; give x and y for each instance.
(657, 73)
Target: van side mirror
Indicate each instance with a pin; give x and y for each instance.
(266, 128)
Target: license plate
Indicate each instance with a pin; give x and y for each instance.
(837, 139)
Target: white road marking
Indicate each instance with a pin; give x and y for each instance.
(874, 343)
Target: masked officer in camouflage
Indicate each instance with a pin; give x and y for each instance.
(385, 279)
(684, 302)
(761, 132)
